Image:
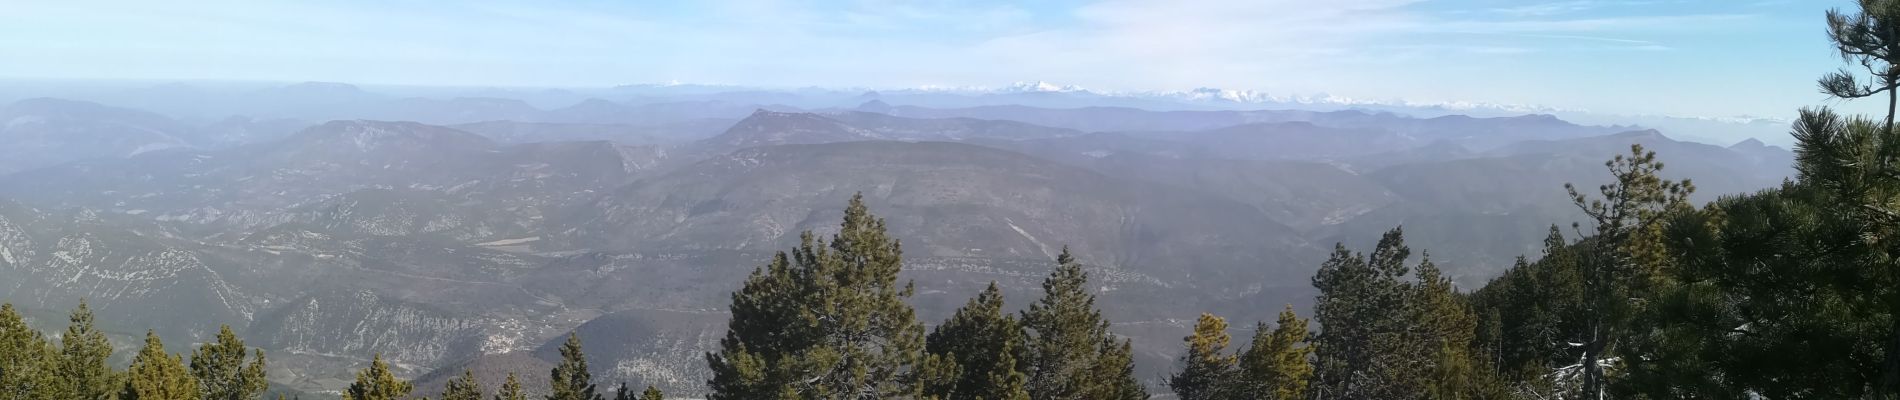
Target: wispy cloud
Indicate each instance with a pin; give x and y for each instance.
(1359, 47)
(1554, 8)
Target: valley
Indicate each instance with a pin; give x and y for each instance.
(326, 222)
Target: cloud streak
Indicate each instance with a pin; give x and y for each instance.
(1363, 47)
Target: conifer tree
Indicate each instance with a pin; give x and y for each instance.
(1853, 158)
(378, 383)
(24, 359)
(1007, 382)
(510, 389)
(1115, 366)
(982, 341)
(570, 380)
(1361, 351)
(1848, 177)
(827, 321)
(1070, 353)
(82, 372)
(623, 393)
(222, 373)
(1870, 38)
(652, 394)
(1209, 371)
(1451, 377)
(463, 387)
(1276, 365)
(1449, 323)
(157, 375)
(1532, 315)
(1626, 253)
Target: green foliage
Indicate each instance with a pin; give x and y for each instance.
(1209, 371)
(1868, 38)
(1390, 331)
(378, 383)
(652, 394)
(222, 373)
(463, 387)
(982, 343)
(157, 375)
(570, 380)
(1362, 308)
(827, 321)
(81, 371)
(24, 359)
(1277, 365)
(510, 389)
(1533, 312)
(1787, 293)
(1070, 353)
(1116, 367)
(1622, 262)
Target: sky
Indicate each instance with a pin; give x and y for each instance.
(1711, 58)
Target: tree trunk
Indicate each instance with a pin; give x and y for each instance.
(1892, 100)
(1593, 363)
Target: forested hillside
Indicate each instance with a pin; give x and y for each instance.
(321, 240)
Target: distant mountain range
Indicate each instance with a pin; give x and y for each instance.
(322, 101)
(330, 222)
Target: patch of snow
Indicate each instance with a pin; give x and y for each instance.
(507, 242)
(151, 147)
(1032, 238)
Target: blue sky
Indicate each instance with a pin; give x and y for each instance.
(1672, 57)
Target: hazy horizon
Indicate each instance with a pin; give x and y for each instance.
(1656, 57)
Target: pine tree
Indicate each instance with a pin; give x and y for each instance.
(1448, 322)
(82, 372)
(222, 373)
(1115, 365)
(623, 393)
(1853, 158)
(1007, 382)
(570, 380)
(157, 375)
(1383, 323)
(1451, 378)
(1209, 371)
(1533, 312)
(463, 387)
(510, 389)
(24, 359)
(982, 341)
(1276, 365)
(1361, 351)
(1627, 251)
(828, 321)
(652, 394)
(1070, 353)
(1868, 38)
(378, 383)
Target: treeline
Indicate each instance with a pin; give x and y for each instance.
(32, 367)
(829, 321)
(1787, 293)
(75, 367)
